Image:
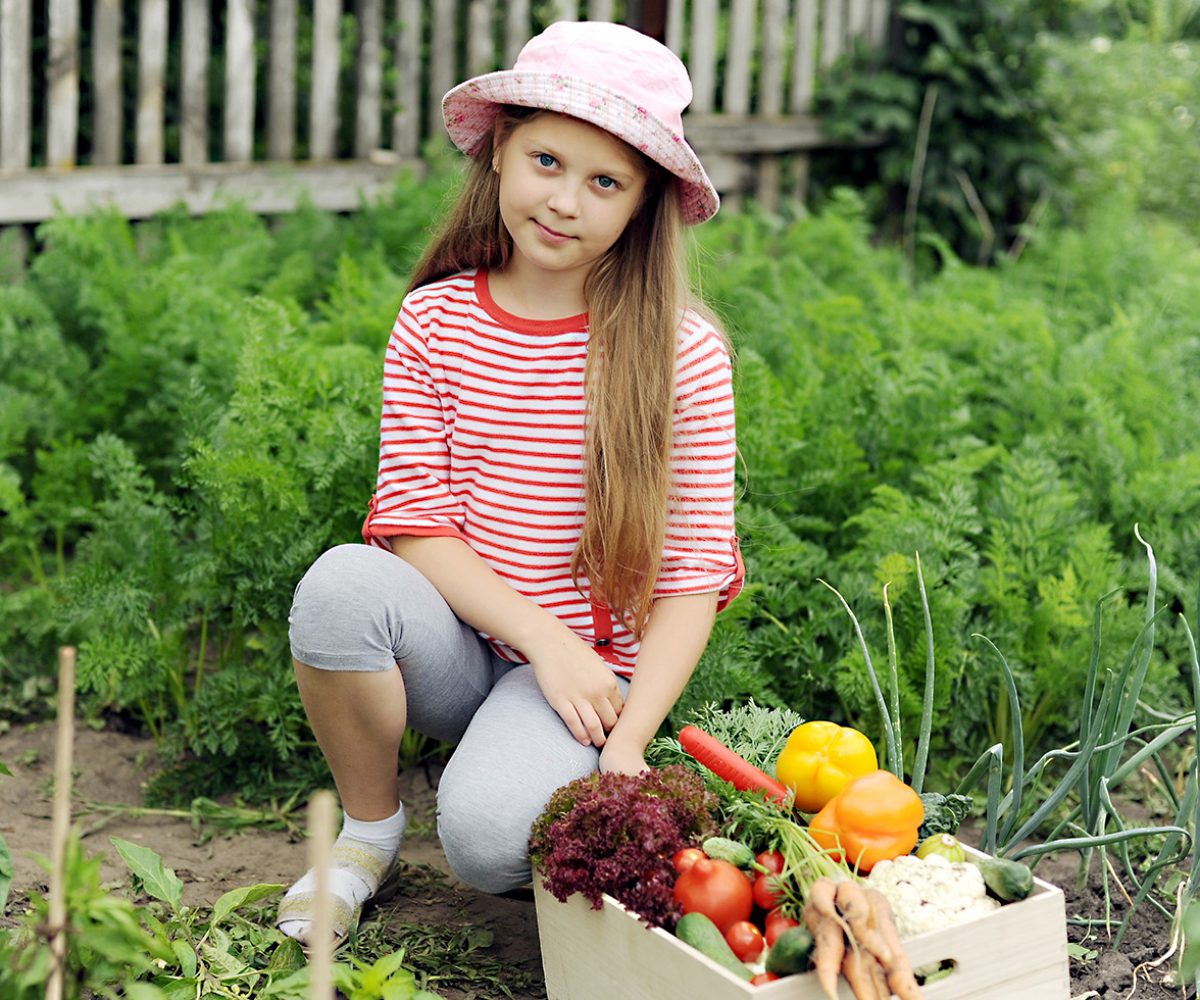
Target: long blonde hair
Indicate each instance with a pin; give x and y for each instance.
(635, 295)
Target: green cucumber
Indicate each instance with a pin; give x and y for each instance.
(790, 953)
(1007, 880)
(724, 849)
(702, 934)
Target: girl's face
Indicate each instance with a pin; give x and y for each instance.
(567, 191)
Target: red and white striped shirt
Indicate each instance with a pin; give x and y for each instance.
(481, 438)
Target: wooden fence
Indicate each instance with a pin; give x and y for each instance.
(268, 101)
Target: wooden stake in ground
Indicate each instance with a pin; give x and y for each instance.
(63, 754)
(321, 818)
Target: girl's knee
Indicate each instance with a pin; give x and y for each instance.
(486, 848)
(338, 619)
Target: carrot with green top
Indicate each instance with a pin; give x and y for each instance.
(733, 767)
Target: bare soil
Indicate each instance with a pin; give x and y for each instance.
(112, 767)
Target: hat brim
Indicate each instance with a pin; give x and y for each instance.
(470, 110)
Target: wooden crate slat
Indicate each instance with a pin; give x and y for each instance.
(406, 118)
(152, 77)
(804, 57)
(106, 82)
(516, 29)
(481, 49)
(15, 84)
(833, 30)
(62, 84)
(239, 81)
(368, 105)
(702, 56)
(323, 110)
(281, 81)
(443, 66)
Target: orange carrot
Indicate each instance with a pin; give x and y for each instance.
(852, 901)
(734, 768)
(857, 972)
(900, 978)
(829, 947)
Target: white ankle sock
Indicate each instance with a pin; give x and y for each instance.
(379, 840)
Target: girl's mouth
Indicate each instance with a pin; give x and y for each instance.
(550, 235)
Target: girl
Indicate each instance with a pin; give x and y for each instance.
(552, 529)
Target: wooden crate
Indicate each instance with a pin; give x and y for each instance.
(1019, 950)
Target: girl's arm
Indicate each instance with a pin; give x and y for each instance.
(576, 682)
(675, 637)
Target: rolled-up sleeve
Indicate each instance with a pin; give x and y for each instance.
(700, 550)
(412, 493)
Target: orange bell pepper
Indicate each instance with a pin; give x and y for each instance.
(874, 818)
(820, 759)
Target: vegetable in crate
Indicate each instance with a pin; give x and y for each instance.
(617, 833)
(874, 818)
(820, 759)
(930, 894)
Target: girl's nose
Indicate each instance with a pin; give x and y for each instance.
(564, 200)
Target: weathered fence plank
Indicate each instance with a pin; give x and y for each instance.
(368, 104)
(193, 131)
(702, 61)
(106, 82)
(481, 52)
(770, 93)
(239, 81)
(516, 29)
(674, 31)
(62, 73)
(600, 10)
(804, 56)
(14, 85)
(443, 41)
(406, 118)
(152, 76)
(281, 81)
(323, 109)
(139, 192)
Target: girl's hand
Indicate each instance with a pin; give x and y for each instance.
(622, 758)
(578, 684)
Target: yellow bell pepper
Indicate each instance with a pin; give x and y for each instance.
(874, 818)
(820, 759)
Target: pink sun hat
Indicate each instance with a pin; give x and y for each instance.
(606, 74)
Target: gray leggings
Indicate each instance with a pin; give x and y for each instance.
(361, 608)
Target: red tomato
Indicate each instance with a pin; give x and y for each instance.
(717, 889)
(772, 861)
(767, 891)
(778, 922)
(686, 857)
(762, 978)
(746, 940)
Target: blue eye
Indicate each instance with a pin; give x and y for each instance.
(546, 160)
(606, 182)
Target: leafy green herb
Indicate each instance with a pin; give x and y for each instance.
(943, 813)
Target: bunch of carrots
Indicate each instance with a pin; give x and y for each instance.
(854, 933)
